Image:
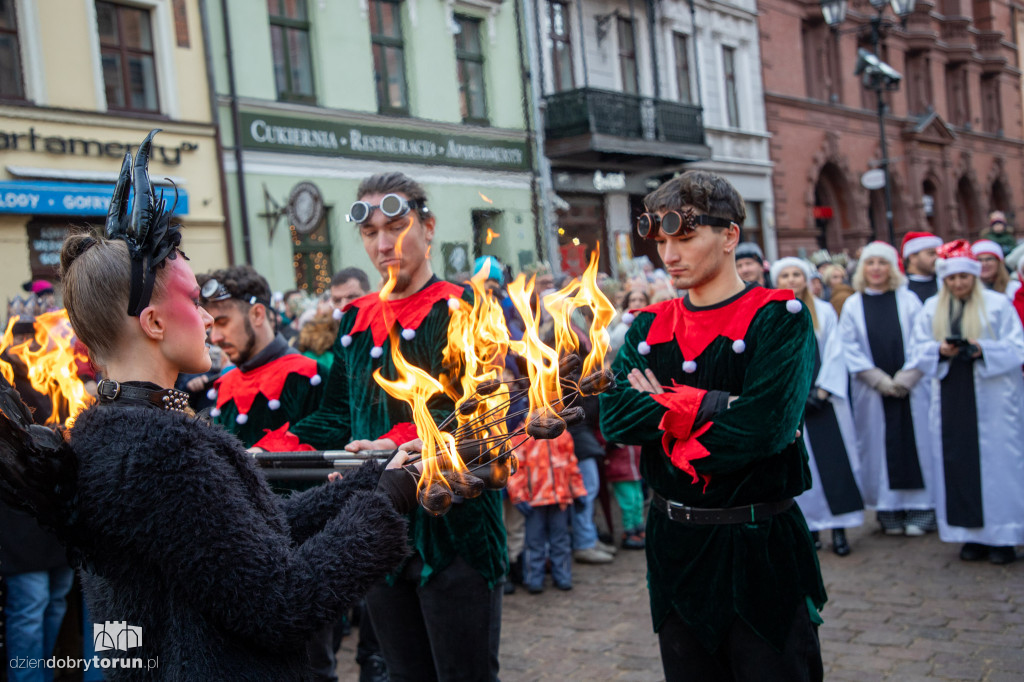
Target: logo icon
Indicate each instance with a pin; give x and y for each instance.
(116, 635)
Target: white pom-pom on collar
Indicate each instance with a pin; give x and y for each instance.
(689, 366)
(337, 314)
(376, 352)
(739, 345)
(643, 348)
(346, 341)
(627, 318)
(242, 418)
(274, 404)
(212, 394)
(215, 412)
(453, 303)
(408, 334)
(315, 380)
(793, 305)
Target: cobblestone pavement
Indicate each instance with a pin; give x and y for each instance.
(899, 609)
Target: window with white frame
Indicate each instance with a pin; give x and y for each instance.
(732, 107)
(559, 39)
(681, 46)
(127, 57)
(11, 77)
(469, 62)
(291, 48)
(627, 55)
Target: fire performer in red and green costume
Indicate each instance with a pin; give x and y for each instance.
(717, 384)
(439, 617)
(272, 384)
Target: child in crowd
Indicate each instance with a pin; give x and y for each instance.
(547, 483)
(622, 469)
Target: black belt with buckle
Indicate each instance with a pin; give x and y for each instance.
(749, 513)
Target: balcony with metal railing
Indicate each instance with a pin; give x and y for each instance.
(588, 123)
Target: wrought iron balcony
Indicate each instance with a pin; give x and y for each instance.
(615, 122)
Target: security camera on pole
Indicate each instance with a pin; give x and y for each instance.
(876, 74)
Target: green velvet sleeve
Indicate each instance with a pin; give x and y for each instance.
(329, 426)
(770, 408)
(627, 415)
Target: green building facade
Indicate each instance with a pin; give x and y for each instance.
(315, 95)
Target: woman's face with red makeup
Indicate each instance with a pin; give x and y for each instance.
(184, 321)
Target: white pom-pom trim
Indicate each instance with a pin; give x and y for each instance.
(215, 412)
(627, 318)
(793, 305)
(315, 380)
(212, 394)
(376, 352)
(689, 366)
(346, 341)
(408, 334)
(453, 303)
(274, 404)
(337, 314)
(242, 418)
(643, 348)
(738, 346)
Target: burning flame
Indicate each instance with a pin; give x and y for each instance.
(51, 361)
(541, 360)
(491, 235)
(482, 196)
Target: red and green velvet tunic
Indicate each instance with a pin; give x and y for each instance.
(277, 387)
(758, 346)
(356, 407)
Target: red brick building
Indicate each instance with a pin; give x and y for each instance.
(954, 127)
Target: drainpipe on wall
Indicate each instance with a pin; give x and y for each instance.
(215, 120)
(543, 164)
(236, 131)
(536, 210)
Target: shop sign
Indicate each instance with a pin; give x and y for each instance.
(68, 198)
(79, 146)
(327, 137)
(609, 182)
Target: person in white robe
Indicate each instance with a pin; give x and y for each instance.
(833, 501)
(969, 343)
(890, 406)
(994, 274)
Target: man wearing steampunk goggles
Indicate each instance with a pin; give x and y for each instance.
(717, 382)
(456, 559)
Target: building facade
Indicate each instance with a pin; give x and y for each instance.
(637, 91)
(316, 96)
(81, 83)
(954, 125)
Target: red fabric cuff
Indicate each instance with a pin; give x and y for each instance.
(401, 433)
(682, 452)
(683, 403)
(282, 440)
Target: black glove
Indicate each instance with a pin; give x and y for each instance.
(400, 487)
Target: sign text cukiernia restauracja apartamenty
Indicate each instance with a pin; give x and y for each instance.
(325, 137)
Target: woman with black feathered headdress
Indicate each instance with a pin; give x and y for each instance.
(176, 530)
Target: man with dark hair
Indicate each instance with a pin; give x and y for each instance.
(439, 617)
(717, 383)
(750, 263)
(272, 384)
(347, 285)
(919, 255)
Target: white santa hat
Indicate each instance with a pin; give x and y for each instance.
(881, 250)
(987, 246)
(791, 262)
(915, 242)
(955, 258)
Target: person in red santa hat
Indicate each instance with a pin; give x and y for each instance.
(918, 251)
(969, 342)
(890, 406)
(994, 274)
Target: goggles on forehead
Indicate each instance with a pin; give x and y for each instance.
(392, 206)
(675, 222)
(213, 291)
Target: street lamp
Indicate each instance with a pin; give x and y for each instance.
(877, 75)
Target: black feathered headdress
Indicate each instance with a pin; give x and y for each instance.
(148, 232)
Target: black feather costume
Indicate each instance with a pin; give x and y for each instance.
(176, 528)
